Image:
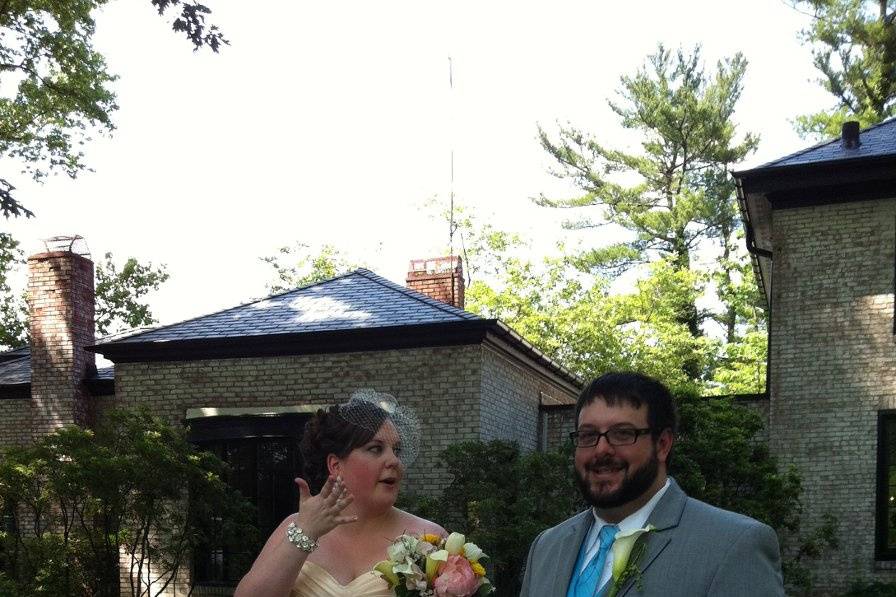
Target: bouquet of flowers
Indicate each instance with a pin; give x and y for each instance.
(434, 566)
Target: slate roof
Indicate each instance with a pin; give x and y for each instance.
(352, 301)
(16, 371)
(876, 141)
(16, 353)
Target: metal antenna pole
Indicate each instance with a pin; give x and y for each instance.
(451, 189)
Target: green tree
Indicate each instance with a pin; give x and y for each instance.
(81, 499)
(60, 85)
(854, 48)
(674, 196)
(299, 265)
(484, 248)
(13, 312)
(119, 292)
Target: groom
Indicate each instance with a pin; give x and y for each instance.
(624, 434)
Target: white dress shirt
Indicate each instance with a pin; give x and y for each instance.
(632, 522)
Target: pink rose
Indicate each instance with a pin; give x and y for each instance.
(456, 578)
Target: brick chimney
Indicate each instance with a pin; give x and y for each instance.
(61, 300)
(441, 278)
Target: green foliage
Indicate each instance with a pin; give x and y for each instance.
(501, 499)
(810, 545)
(118, 294)
(854, 49)
(297, 266)
(671, 198)
(60, 86)
(591, 331)
(13, 312)
(77, 496)
(871, 589)
(717, 458)
(486, 250)
(681, 192)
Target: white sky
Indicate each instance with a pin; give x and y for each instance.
(333, 122)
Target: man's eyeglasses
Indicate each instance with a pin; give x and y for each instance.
(616, 436)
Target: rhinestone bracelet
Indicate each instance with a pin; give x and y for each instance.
(297, 537)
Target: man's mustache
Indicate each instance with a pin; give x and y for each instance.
(605, 462)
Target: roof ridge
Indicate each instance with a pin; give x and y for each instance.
(238, 306)
(823, 144)
(419, 296)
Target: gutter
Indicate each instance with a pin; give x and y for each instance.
(754, 251)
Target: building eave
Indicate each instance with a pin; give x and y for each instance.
(452, 333)
(760, 191)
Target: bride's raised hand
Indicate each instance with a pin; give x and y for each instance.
(319, 514)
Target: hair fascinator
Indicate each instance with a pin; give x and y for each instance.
(370, 409)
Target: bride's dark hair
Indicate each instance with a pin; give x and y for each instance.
(328, 432)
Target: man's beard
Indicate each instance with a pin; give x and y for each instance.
(633, 485)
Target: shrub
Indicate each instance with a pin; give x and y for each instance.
(78, 496)
(501, 499)
(871, 589)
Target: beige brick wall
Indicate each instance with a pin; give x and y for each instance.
(440, 384)
(833, 366)
(511, 394)
(15, 422)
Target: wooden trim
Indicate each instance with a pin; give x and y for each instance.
(452, 333)
(253, 411)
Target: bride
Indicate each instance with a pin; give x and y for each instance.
(355, 455)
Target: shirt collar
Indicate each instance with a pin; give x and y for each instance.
(638, 518)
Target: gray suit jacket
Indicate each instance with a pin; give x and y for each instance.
(696, 550)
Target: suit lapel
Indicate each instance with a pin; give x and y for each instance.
(568, 551)
(665, 517)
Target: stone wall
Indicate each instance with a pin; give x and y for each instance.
(833, 367)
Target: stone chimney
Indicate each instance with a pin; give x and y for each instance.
(441, 278)
(61, 300)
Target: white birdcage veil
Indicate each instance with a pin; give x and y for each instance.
(369, 409)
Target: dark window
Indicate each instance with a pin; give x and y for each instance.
(263, 455)
(886, 486)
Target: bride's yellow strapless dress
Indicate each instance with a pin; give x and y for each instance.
(314, 581)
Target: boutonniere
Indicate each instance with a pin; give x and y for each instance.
(627, 551)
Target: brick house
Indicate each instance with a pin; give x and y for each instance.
(821, 226)
(245, 379)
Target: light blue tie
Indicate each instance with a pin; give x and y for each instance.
(586, 582)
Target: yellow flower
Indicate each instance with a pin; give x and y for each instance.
(478, 570)
(430, 538)
(433, 561)
(385, 570)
